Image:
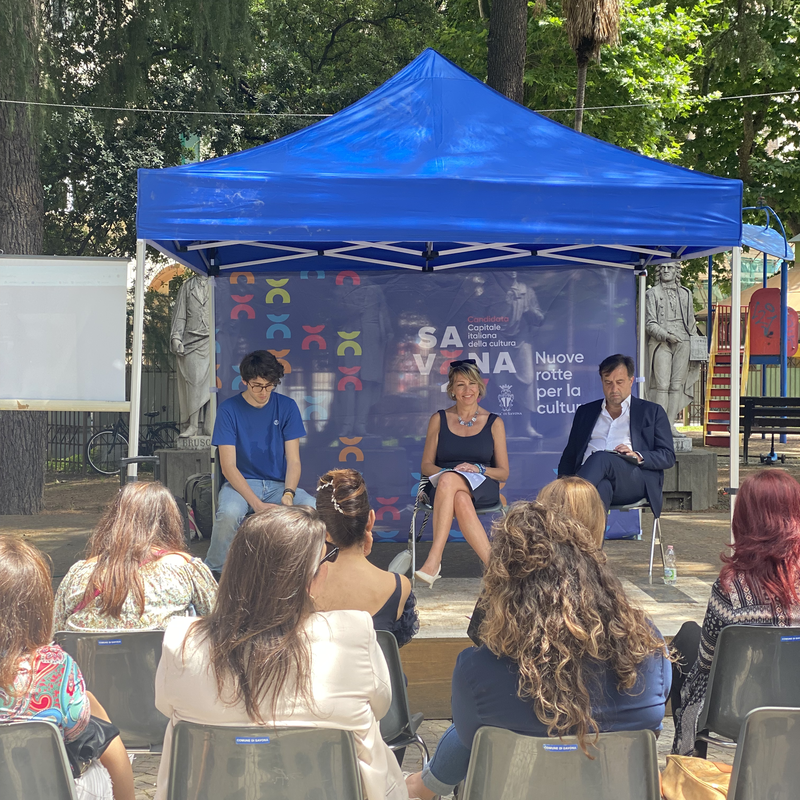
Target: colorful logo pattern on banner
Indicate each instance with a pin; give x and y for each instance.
(367, 354)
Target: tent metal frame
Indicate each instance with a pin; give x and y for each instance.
(653, 253)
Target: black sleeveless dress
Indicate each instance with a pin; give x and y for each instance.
(405, 628)
(452, 450)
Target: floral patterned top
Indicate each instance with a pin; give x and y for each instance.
(48, 686)
(174, 586)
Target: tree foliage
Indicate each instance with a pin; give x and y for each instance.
(749, 47)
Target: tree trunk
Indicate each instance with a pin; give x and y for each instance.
(23, 434)
(507, 47)
(580, 95)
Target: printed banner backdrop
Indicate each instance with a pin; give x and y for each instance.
(366, 357)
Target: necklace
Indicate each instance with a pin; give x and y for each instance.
(470, 423)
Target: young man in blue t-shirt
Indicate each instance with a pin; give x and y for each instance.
(258, 435)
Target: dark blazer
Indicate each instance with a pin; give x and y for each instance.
(651, 437)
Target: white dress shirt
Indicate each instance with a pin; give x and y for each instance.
(607, 432)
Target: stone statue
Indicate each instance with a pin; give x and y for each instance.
(670, 324)
(524, 318)
(189, 342)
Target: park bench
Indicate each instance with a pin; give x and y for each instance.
(769, 415)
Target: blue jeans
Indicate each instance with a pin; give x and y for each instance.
(232, 509)
(448, 767)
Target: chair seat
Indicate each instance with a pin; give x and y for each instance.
(643, 503)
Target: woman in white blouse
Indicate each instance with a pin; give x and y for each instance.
(265, 656)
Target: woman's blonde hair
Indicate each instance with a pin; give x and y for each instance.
(581, 500)
(464, 369)
(555, 609)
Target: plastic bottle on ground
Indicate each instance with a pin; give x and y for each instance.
(670, 567)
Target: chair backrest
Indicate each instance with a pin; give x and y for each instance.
(515, 767)
(120, 670)
(753, 666)
(767, 763)
(398, 718)
(251, 763)
(33, 762)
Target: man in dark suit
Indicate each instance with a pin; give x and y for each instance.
(620, 444)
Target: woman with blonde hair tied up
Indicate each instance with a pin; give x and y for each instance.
(564, 653)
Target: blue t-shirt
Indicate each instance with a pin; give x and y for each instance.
(259, 434)
(485, 693)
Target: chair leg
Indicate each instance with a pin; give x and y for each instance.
(423, 750)
(413, 549)
(656, 526)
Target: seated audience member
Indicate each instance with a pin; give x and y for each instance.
(38, 680)
(620, 444)
(352, 582)
(469, 441)
(759, 584)
(553, 608)
(569, 495)
(264, 656)
(580, 500)
(138, 574)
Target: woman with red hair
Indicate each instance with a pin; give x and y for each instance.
(759, 584)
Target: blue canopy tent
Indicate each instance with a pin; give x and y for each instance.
(770, 242)
(434, 170)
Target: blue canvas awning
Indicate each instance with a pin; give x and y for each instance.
(767, 240)
(435, 170)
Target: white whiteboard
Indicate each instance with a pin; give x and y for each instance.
(62, 329)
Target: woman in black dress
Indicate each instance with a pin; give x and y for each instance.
(468, 439)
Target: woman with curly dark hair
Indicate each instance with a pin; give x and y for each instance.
(564, 653)
(759, 584)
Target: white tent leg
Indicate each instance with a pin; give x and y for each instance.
(641, 337)
(136, 357)
(736, 318)
(212, 406)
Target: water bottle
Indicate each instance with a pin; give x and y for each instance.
(670, 567)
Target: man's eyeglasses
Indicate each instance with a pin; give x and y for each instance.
(331, 553)
(261, 387)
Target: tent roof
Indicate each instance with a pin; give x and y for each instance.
(767, 240)
(434, 161)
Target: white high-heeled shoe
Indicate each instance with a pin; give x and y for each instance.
(429, 580)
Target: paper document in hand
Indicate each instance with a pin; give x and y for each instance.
(474, 479)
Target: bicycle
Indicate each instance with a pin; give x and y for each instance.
(105, 449)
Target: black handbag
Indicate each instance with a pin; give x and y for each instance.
(92, 742)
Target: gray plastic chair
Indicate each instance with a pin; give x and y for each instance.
(220, 763)
(399, 726)
(767, 766)
(120, 671)
(753, 666)
(33, 762)
(510, 766)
